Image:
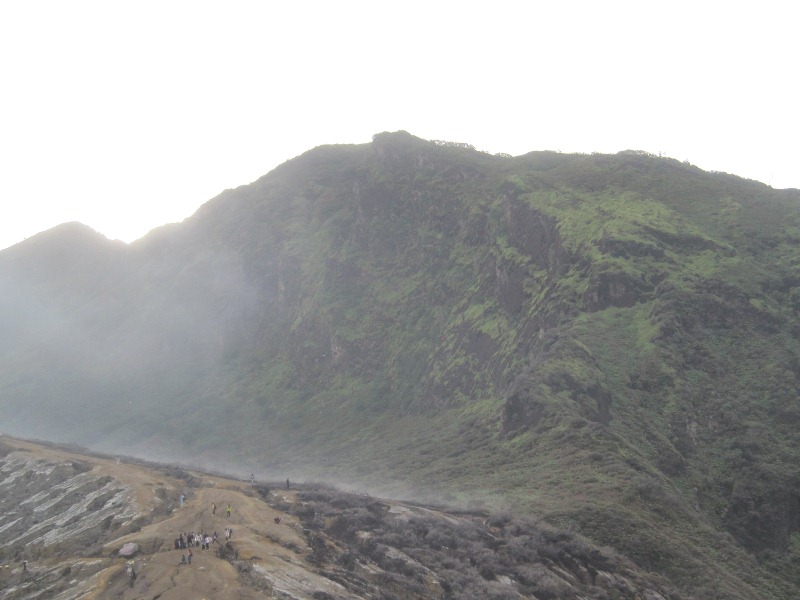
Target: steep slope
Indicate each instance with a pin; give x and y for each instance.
(606, 341)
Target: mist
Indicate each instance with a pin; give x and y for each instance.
(154, 349)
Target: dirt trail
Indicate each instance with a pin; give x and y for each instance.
(263, 558)
(256, 538)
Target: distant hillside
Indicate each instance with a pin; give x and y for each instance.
(608, 342)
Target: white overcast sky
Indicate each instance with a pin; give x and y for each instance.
(128, 115)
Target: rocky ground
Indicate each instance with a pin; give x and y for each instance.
(66, 515)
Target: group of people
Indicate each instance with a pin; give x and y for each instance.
(187, 541)
(197, 540)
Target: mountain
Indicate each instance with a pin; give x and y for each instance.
(609, 343)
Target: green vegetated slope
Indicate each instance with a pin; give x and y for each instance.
(609, 342)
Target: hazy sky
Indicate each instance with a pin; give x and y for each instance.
(129, 115)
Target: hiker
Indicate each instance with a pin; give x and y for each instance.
(213, 508)
(252, 479)
(132, 575)
(215, 538)
(24, 566)
(208, 542)
(277, 520)
(228, 510)
(183, 560)
(183, 499)
(181, 542)
(189, 556)
(287, 483)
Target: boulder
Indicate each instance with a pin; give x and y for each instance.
(129, 549)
